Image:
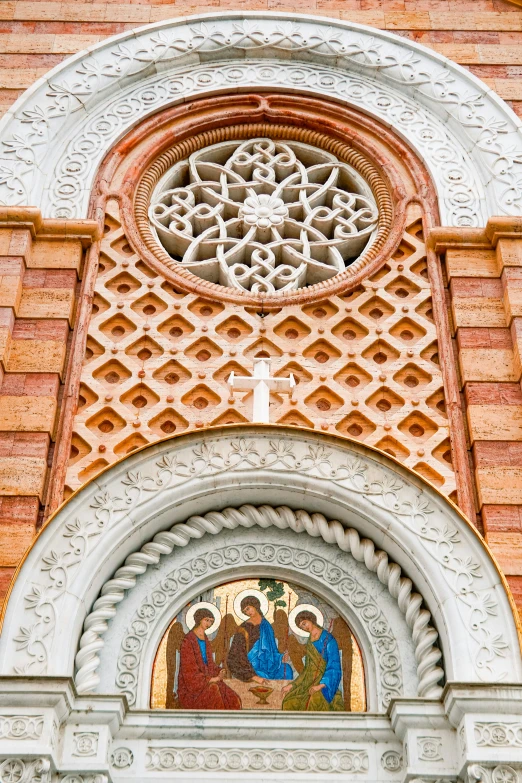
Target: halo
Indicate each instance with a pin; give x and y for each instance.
(263, 600)
(189, 617)
(304, 608)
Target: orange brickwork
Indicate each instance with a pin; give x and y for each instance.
(483, 270)
(156, 357)
(484, 36)
(40, 267)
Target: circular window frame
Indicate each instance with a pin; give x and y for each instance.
(391, 215)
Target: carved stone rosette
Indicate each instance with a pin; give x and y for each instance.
(263, 215)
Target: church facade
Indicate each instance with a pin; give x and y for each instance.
(260, 403)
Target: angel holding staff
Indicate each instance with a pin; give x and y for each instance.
(254, 655)
(317, 687)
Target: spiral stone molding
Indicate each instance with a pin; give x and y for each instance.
(331, 531)
(72, 562)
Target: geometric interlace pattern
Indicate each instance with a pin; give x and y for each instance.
(263, 216)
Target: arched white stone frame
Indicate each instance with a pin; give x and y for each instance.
(55, 136)
(397, 661)
(112, 517)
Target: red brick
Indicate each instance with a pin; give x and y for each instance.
(6, 574)
(493, 394)
(515, 584)
(24, 444)
(28, 329)
(502, 519)
(30, 384)
(50, 278)
(475, 287)
(484, 338)
(497, 453)
(19, 510)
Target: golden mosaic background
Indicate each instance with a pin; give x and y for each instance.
(226, 593)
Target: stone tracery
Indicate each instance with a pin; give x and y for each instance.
(263, 215)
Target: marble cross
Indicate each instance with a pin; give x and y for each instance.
(262, 384)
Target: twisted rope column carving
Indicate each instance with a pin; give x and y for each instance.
(363, 550)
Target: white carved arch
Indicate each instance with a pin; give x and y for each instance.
(397, 642)
(121, 510)
(57, 133)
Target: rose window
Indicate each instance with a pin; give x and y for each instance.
(263, 216)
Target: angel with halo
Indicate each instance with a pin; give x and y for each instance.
(200, 679)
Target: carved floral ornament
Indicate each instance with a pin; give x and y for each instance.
(59, 131)
(67, 567)
(263, 215)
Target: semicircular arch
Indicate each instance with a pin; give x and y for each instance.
(467, 136)
(401, 654)
(152, 490)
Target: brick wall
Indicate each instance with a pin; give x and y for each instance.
(40, 272)
(483, 271)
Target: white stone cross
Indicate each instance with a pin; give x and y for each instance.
(262, 384)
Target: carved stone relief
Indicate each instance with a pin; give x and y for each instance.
(498, 735)
(351, 594)
(131, 496)
(170, 759)
(262, 215)
(452, 111)
(18, 770)
(21, 727)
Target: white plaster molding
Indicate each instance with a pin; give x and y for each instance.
(186, 745)
(20, 770)
(378, 618)
(164, 484)
(56, 134)
(175, 759)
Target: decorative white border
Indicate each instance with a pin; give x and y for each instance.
(57, 133)
(382, 647)
(133, 501)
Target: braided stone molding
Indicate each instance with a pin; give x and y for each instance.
(83, 544)
(384, 647)
(332, 532)
(58, 132)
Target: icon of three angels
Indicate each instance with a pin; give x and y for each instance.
(295, 662)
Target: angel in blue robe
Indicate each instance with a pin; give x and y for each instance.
(317, 687)
(253, 653)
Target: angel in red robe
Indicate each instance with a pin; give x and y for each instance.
(200, 680)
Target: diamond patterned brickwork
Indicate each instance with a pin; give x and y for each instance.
(158, 360)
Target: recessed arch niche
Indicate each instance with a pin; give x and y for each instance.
(92, 551)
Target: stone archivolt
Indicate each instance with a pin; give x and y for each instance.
(382, 651)
(262, 215)
(69, 125)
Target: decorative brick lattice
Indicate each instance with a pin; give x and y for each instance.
(158, 359)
